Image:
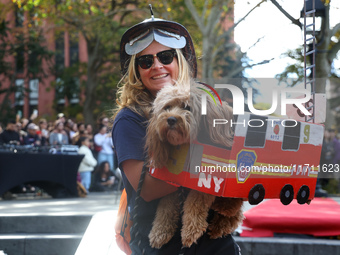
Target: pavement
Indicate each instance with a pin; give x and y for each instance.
(34, 225)
(102, 207)
(32, 206)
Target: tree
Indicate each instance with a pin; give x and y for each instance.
(217, 38)
(100, 24)
(327, 48)
(21, 55)
(211, 25)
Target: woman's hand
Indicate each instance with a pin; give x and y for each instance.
(152, 188)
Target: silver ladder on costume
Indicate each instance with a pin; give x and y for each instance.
(309, 39)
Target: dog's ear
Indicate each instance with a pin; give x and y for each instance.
(221, 133)
(195, 108)
(158, 151)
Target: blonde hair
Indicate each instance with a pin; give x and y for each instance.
(132, 93)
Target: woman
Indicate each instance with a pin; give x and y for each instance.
(44, 131)
(103, 178)
(154, 53)
(104, 140)
(81, 131)
(58, 136)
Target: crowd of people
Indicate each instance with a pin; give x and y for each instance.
(98, 170)
(330, 157)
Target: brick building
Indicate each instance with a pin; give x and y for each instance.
(68, 51)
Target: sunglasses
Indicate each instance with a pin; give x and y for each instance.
(165, 57)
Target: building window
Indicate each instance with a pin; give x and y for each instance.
(74, 50)
(34, 92)
(59, 91)
(19, 17)
(19, 58)
(75, 94)
(19, 94)
(59, 52)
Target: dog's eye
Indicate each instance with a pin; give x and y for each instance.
(167, 107)
(187, 107)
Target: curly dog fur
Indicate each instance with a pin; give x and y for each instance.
(176, 120)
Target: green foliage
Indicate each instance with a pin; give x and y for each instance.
(15, 45)
(101, 24)
(67, 83)
(293, 73)
(332, 186)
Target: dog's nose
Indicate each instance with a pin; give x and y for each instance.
(172, 121)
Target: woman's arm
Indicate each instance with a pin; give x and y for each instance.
(152, 188)
(99, 139)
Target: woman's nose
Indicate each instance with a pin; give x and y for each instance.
(156, 63)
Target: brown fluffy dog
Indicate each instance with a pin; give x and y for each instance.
(176, 120)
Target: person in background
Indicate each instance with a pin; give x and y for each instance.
(58, 136)
(73, 130)
(103, 139)
(44, 134)
(89, 133)
(103, 121)
(81, 132)
(336, 146)
(61, 118)
(68, 126)
(50, 126)
(87, 164)
(22, 133)
(25, 122)
(103, 178)
(32, 138)
(10, 134)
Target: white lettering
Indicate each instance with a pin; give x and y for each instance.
(217, 182)
(204, 181)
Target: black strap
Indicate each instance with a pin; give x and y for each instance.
(124, 224)
(138, 199)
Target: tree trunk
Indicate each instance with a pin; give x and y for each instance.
(206, 59)
(90, 100)
(323, 66)
(90, 89)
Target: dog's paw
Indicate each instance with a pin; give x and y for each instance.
(223, 225)
(191, 234)
(219, 226)
(165, 223)
(195, 214)
(158, 239)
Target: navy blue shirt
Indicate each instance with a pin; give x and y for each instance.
(128, 135)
